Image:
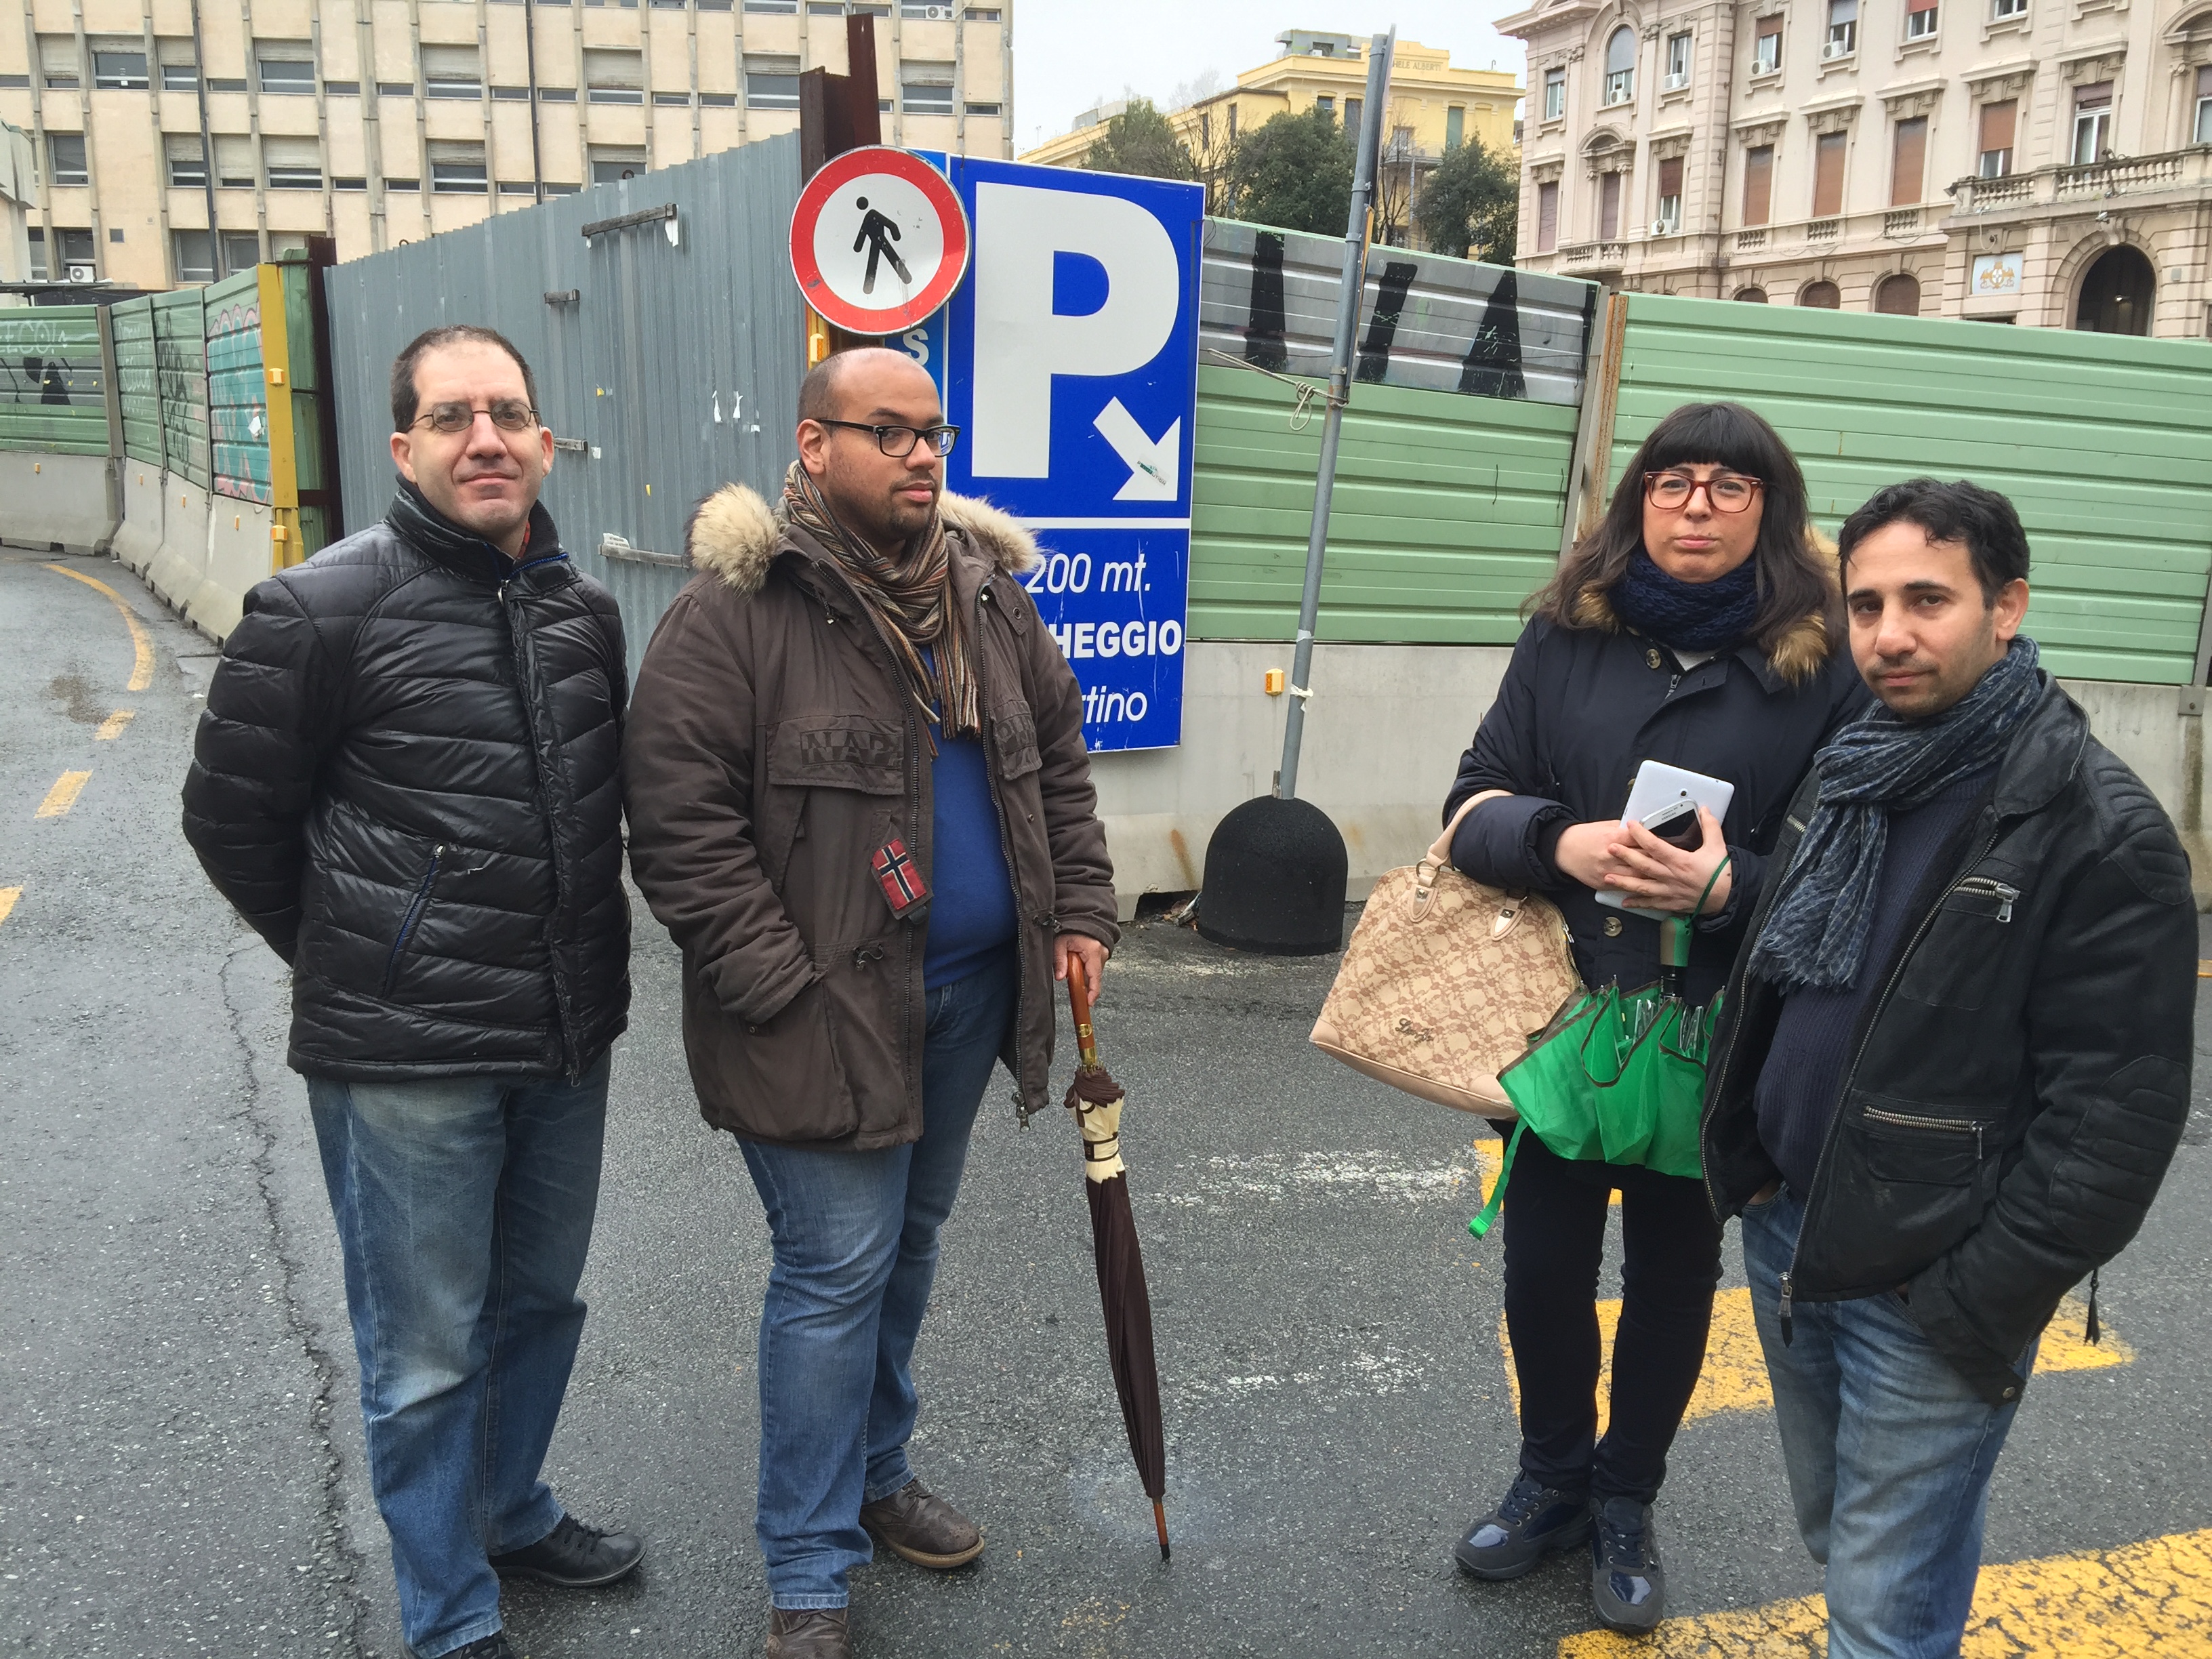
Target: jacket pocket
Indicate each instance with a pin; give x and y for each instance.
(863, 985)
(779, 1078)
(839, 751)
(1904, 1182)
(1973, 937)
(412, 920)
(1014, 730)
(1905, 1143)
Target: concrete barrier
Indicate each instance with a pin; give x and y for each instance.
(72, 499)
(138, 537)
(178, 564)
(239, 557)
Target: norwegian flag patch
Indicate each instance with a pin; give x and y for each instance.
(899, 877)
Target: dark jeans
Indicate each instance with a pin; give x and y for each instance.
(1555, 1213)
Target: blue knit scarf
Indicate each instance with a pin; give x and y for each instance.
(1816, 934)
(1714, 616)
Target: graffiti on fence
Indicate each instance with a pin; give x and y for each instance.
(238, 401)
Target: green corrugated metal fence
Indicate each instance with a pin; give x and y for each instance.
(180, 361)
(132, 322)
(1446, 515)
(238, 395)
(2103, 441)
(53, 395)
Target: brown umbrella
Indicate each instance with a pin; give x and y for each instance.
(1096, 1100)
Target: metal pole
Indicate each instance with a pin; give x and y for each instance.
(1380, 51)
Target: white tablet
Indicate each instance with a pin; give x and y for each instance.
(1659, 785)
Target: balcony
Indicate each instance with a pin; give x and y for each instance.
(1824, 230)
(2175, 171)
(1750, 242)
(1594, 256)
(1902, 223)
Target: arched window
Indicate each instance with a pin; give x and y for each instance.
(1822, 296)
(1620, 66)
(1898, 295)
(2116, 294)
(1756, 296)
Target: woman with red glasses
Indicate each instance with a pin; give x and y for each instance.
(1699, 624)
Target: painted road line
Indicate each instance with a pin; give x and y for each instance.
(111, 728)
(7, 897)
(1734, 1377)
(2155, 1597)
(142, 671)
(63, 795)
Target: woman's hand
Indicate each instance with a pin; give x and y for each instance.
(1652, 876)
(1585, 852)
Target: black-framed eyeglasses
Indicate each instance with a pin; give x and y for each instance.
(898, 441)
(1727, 492)
(508, 414)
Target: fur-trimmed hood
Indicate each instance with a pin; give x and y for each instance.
(735, 535)
(1803, 651)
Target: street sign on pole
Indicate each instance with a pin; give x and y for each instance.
(1071, 359)
(879, 241)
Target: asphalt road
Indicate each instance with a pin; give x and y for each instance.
(180, 1466)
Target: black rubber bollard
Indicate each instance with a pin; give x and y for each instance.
(1275, 876)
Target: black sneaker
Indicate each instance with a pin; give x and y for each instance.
(1532, 1520)
(574, 1557)
(1626, 1581)
(493, 1646)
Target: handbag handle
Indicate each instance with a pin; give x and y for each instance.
(1434, 861)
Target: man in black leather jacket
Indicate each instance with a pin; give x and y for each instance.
(407, 779)
(1953, 1062)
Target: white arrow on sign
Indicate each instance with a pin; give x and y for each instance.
(1154, 468)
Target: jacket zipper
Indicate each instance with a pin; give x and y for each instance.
(524, 685)
(416, 907)
(1945, 1126)
(1874, 1018)
(2004, 892)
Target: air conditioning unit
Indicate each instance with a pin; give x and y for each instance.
(1676, 83)
(1837, 48)
(83, 274)
(937, 13)
(1663, 228)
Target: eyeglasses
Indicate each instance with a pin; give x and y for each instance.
(898, 441)
(1727, 492)
(508, 414)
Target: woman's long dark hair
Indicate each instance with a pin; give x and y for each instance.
(1795, 580)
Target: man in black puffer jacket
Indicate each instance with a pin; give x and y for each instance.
(407, 779)
(1952, 1065)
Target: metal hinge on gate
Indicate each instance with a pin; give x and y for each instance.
(628, 221)
(564, 296)
(612, 546)
(573, 446)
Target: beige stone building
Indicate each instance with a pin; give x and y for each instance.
(377, 122)
(2037, 161)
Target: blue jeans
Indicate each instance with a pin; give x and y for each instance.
(464, 1207)
(855, 1249)
(1889, 1452)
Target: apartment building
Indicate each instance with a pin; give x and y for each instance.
(2034, 162)
(176, 141)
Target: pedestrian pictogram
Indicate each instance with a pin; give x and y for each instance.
(879, 241)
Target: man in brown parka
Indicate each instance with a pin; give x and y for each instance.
(858, 800)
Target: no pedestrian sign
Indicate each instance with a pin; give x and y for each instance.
(879, 241)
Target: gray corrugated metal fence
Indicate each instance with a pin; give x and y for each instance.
(673, 369)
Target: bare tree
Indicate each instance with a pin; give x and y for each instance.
(1395, 175)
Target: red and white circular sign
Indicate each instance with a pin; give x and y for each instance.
(879, 241)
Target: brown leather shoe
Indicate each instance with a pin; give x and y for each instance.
(809, 1633)
(918, 1527)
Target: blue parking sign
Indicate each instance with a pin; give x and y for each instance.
(1071, 364)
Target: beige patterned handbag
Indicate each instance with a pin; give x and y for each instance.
(1445, 980)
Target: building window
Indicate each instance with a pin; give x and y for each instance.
(342, 88)
(1669, 220)
(1897, 295)
(454, 72)
(1757, 184)
(1351, 116)
(1547, 217)
(1751, 296)
(1327, 105)
(218, 84)
(1609, 208)
(1555, 95)
(458, 169)
(1920, 17)
(2203, 128)
(2092, 123)
(1355, 113)
(1766, 47)
(926, 88)
(1999, 122)
(1454, 127)
(1908, 162)
(613, 75)
(294, 177)
(191, 253)
(65, 159)
(119, 71)
(983, 14)
(556, 95)
(287, 76)
(672, 100)
(771, 82)
(187, 160)
(1678, 61)
(992, 110)
(1822, 296)
(775, 8)
(1828, 174)
(2001, 10)
(180, 77)
(241, 250)
(1620, 66)
(350, 184)
(1843, 29)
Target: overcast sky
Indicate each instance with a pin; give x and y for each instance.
(1070, 54)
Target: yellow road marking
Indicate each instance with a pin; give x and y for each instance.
(7, 897)
(1734, 1377)
(64, 795)
(2154, 1597)
(142, 671)
(111, 728)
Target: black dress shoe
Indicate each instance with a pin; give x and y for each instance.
(809, 1633)
(574, 1556)
(1626, 1582)
(1533, 1521)
(493, 1646)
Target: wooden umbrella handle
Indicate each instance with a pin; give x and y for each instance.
(1078, 1005)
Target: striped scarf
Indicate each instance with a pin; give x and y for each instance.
(910, 594)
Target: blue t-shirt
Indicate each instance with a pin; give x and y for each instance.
(971, 905)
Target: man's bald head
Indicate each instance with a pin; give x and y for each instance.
(860, 377)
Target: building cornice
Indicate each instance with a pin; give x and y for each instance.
(2092, 63)
(1915, 98)
(1997, 82)
(1833, 114)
